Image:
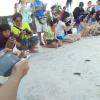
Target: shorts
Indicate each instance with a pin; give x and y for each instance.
(40, 27)
(61, 37)
(28, 43)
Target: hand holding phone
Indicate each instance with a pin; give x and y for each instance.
(7, 62)
(27, 57)
(21, 68)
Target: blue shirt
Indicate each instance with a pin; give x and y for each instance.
(97, 8)
(80, 28)
(39, 12)
(92, 20)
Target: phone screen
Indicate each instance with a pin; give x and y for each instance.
(7, 62)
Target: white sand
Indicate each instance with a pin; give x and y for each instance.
(51, 73)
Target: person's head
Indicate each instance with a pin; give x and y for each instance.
(64, 8)
(53, 10)
(53, 7)
(89, 3)
(17, 18)
(65, 16)
(82, 18)
(98, 2)
(58, 15)
(81, 4)
(5, 30)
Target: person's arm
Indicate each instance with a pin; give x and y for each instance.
(38, 8)
(84, 25)
(9, 90)
(67, 28)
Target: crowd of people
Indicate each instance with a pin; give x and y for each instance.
(32, 24)
(53, 28)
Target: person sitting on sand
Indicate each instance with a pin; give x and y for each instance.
(84, 28)
(96, 27)
(61, 28)
(92, 17)
(8, 42)
(5, 34)
(23, 34)
(49, 36)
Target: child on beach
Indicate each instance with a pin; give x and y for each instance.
(49, 36)
(23, 34)
(7, 41)
(88, 29)
(61, 28)
(84, 28)
(96, 27)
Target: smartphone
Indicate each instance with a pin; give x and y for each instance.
(7, 62)
(10, 43)
(27, 57)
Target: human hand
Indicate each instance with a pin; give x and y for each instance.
(20, 69)
(38, 8)
(23, 32)
(8, 50)
(73, 23)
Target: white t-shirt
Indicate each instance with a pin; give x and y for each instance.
(69, 9)
(59, 30)
(26, 11)
(7, 7)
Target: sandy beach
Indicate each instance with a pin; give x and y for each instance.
(71, 72)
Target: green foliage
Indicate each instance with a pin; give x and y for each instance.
(3, 19)
(49, 18)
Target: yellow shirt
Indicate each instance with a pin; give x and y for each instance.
(17, 32)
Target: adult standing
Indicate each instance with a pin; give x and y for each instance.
(40, 20)
(90, 7)
(68, 6)
(78, 11)
(24, 7)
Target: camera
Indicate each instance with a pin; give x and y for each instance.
(26, 31)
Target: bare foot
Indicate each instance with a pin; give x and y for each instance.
(33, 51)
